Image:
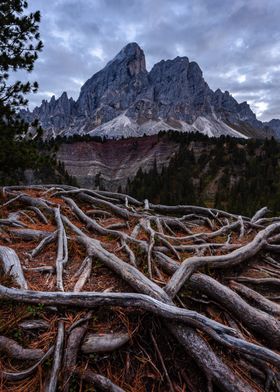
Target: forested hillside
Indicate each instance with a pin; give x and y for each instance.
(236, 174)
(28, 161)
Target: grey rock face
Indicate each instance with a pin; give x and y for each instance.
(180, 90)
(230, 110)
(53, 115)
(123, 99)
(116, 86)
(275, 125)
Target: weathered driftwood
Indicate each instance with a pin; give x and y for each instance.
(30, 325)
(147, 227)
(117, 226)
(122, 197)
(131, 255)
(99, 213)
(21, 375)
(256, 320)
(92, 299)
(96, 343)
(12, 349)
(39, 213)
(73, 344)
(35, 202)
(148, 232)
(188, 209)
(258, 281)
(103, 383)
(84, 275)
(222, 231)
(11, 221)
(42, 245)
(29, 234)
(140, 283)
(236, 257)
(259, 214)
(256, 298)
(11, 266)
(90, 192)
(62, 250)
(219, 332)
(58, 352)
(119, 211)
(42, 268)
(215, 369)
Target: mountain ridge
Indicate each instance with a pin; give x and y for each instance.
(124, 100)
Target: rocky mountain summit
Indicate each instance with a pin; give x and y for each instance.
(124, 99)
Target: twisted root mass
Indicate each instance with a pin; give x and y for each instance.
(100, 291)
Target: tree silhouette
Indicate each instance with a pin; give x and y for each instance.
(19, 47)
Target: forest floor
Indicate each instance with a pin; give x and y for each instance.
(99, 291)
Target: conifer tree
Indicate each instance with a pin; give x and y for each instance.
(19, 47)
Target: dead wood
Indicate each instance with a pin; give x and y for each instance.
(74, 341)
(34, 324)
(11, 266)
(12, 349)
(114, 241)
(99, 381)
(58, 352)
(96, 343)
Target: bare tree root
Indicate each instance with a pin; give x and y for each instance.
(256, 298)
(14, 350)
(101, 266)
(56, 367)
(11, 266)
(74, 341)
(18, 376)
(99, 381)
(96, 343)
(225, 261)
(62, 250)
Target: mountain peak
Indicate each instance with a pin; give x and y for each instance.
(124, 99)
(64, 95)
(132, 46)
(131, 56)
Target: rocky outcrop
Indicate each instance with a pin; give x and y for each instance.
(275, 125)
(112, 163)
(115, 88)
(180, 90)
(55, 115)
(124, 99)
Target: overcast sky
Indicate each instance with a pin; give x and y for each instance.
(235, 42)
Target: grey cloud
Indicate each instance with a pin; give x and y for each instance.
(236, 43)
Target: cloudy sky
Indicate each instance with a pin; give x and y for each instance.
(235, 42)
